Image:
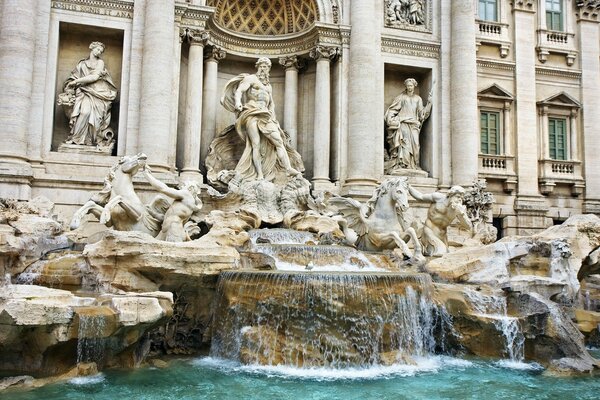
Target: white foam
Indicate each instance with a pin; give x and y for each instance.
(87, 380)
(519, 365)
(423, 365)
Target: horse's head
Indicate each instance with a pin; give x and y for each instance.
(399, 192)
(131, 164)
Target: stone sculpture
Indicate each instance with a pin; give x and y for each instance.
(186, 202)
(118, 206)
(404, 119)
(443, 210)
(87, 99)
(252, 160)
(405, 12)
(381, 222)
(250, 98)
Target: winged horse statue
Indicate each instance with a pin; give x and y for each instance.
(380, 223)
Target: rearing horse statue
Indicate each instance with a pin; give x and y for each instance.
(380, 223)
(118, 206)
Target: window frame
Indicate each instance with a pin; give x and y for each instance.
(553, 144)
(485, 10)
(499, 131)
(554, 16)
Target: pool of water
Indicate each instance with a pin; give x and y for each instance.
(431, 378)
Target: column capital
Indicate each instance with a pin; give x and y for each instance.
(215, 54)
(291, 62)
(524, 5)
(589, 10)
(325, 52)
(194, 36)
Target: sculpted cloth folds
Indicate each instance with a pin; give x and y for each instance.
(90, 118)
(266, 124)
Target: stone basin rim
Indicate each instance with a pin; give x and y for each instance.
(337, 273)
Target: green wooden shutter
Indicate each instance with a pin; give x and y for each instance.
(554, 17)
(490, 132)
(557, 138)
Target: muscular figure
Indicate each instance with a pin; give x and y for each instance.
(250, 97)
(186, 202)
(441, 213)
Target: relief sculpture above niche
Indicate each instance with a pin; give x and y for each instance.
(408, 14)
(87, 98)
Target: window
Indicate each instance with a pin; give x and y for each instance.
(490, 132)
(488, 10)
(557, 140)
(554, 17)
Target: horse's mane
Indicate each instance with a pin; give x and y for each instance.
(381, 190)
(103, 196)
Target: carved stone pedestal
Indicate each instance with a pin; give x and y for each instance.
(83, 149)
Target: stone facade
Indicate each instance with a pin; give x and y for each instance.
(337, 66)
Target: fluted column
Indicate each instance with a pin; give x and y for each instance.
(365, 99)
(322, 124)
(589, 37)
(211, 98)
(290, 102)
(17, 49)
(463, 94)
(157, 68)
(192, 120)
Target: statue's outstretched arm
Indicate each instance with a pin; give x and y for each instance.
(161, 187)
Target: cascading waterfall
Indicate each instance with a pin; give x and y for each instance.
(494, 307)
(90, 341)
(281, 236)
(324, 319)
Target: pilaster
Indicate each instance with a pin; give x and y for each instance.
(210, 101)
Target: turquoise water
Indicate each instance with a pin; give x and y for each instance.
(432, 378)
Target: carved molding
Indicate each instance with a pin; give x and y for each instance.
(496, 65)
(524, 5)
(563, 73)
(414, 15)
(299, 43)
(410, 48)
(291, 62)
(194, 36)
(214, 53)
(112, 8)
(325, 53)
(589, 10)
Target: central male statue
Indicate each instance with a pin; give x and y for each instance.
(250, 97)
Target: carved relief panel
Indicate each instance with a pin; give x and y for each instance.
(412, 15)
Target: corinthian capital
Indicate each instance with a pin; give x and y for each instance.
(524, 5)
(321, 52)
(194, 36)
(215, 53)
(291, 62)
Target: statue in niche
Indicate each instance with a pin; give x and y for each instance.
(253, 159)
(250, 98)
(443, 210)
(87, 99)
(405, 12)
(404, 119)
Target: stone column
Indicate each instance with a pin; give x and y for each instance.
(211, 98)
(545, 152)
(322, 116)
(574, 148)
(17, 49)
(463, 94)
(530, 207)
(157, 85)
(508, 147)
(290, 103)
(190, 168)
(589, 37)
(365, 99)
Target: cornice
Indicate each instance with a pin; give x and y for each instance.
(112, 8)
(563, 73)
(392, 45)
(497, 65)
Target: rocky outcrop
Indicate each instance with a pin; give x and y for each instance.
(44, 331)
(539, 263)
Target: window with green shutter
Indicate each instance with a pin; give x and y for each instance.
(554, 15)
(488, 10)
(557, 140)
(490, 132)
